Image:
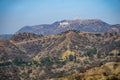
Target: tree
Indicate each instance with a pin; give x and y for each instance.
(5, 64)
(45, 60)
(18, 61)
(35, 63)
(71, 57)
(91, 52)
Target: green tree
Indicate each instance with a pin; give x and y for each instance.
(35, 63)
(75, 57)
(5, 64)
(91, 52)
(71, 57)
(18, 61)
(45, 61)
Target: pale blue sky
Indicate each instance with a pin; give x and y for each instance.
(14, 14)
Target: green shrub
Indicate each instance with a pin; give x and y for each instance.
(71, 57)
(5, 64)
(45, 61)
(98, 55)
(91, 52)
(35, 63)
(97, 34)
(18, 61)
(29, 71)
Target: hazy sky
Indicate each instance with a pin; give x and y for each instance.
(14, 14)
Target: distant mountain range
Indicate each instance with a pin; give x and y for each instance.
(5, 36)
(90, 25)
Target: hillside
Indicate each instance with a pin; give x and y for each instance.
(75, 41)
(28, 56)
(90, 25)
(108, 71)
(116, 28)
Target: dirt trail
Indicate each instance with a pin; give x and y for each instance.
(23, 42)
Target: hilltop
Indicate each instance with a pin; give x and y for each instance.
(89, 25)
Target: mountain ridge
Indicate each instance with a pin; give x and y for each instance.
(90, 25)
(54, 56)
